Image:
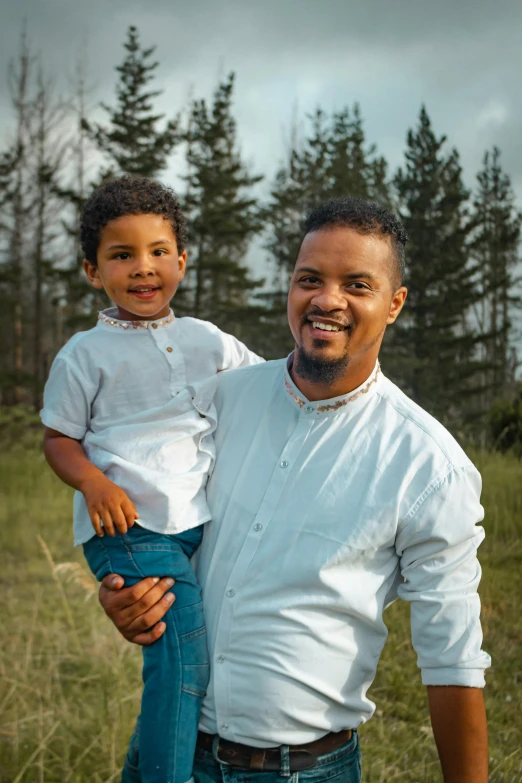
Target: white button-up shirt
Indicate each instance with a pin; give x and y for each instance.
(322, 513)
(134, 393)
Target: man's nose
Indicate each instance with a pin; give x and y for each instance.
(329, 299)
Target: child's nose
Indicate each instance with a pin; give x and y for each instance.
(144, 265)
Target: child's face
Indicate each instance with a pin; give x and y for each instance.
(138, 266)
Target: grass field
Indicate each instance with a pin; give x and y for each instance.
(69, 686)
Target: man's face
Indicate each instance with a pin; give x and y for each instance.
(139, 265)
(342, 297)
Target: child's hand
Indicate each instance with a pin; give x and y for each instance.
(109, 504)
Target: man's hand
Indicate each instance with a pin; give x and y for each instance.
(109, 504)
(136, 611)
(458, 718)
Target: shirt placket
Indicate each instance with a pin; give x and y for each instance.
(283, 470)
(165, 343)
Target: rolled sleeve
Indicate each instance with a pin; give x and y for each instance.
(67, 400)
(437, 546)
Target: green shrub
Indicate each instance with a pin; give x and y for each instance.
(505, 424)
(20, 427)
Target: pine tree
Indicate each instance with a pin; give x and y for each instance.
(298, 185)
(223, 218)
(133, 141)
(437, 346)
(353, 169)
(495, 247)
(334, 160)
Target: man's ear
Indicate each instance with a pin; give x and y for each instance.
(397, 303)
(92, 273)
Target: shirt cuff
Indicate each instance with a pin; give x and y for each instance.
(468, 678)
(55, 422)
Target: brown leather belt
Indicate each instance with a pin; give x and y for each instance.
(269, 759)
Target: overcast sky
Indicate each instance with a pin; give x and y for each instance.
(462, 58)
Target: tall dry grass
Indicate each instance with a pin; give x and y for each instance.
(70, 687)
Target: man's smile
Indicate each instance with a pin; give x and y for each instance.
(324, 328)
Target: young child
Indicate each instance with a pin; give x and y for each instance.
(129, 425)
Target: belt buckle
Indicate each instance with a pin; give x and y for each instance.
(215, 751)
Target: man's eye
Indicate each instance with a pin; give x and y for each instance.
(309, 279)
(358, 286)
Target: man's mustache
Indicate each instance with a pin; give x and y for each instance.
(317, 315)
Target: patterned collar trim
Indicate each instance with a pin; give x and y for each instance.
(341, 401)
(108, 317)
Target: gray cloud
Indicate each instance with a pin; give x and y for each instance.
(462, 60)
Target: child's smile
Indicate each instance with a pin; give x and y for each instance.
(139, 266)
(145, 292)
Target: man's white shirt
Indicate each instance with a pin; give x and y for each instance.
(138, 394)
(322, 514)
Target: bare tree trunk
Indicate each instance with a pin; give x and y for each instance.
(49, 152)
(198, 294)
(19, 74)
(79, 147)
(39, 240)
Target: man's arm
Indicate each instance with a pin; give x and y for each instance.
(137, 611)
(458, 717)
(437, 545)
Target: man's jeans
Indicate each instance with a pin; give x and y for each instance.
(176, 667)
(340, 766)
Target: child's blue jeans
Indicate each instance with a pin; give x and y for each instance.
(176, 666)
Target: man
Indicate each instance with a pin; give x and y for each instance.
(332, 494)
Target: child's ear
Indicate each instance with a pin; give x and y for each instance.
(182, 264)
(93, 274)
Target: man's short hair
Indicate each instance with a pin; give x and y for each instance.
(365, 217)
(129, 195)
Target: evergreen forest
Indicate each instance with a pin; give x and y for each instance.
(454, 348)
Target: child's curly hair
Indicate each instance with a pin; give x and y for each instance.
(129, 195)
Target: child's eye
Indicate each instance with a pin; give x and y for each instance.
(159, 251)
(122, 256)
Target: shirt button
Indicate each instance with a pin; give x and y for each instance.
(284, 464)
(258, 526)
(231, 593)
(224, 726)
(309, 409)
(168, 348)
(221, 659)
(154, 326)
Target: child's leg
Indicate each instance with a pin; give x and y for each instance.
(176, 667)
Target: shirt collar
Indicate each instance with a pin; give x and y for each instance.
(358, 395)
(108, 318)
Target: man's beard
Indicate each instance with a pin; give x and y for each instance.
(317, 370)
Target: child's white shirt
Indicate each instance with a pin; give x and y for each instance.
(139, 397)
